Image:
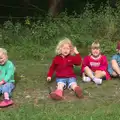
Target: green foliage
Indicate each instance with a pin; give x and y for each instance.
(30, 40)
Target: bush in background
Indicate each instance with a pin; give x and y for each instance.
(36, 39)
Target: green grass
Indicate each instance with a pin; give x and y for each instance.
(32, 101)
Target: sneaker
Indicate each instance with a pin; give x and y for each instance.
(86, 79)
(6, 103)
(57, 95)
(78, 92)
(97, 81)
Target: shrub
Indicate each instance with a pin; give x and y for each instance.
(29, 41)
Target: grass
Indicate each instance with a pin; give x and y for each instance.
(32, 101)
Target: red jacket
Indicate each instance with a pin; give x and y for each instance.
(64, 66)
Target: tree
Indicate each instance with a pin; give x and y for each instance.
(113, 3)
(26, 6)
(55, 7)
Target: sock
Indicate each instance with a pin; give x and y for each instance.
(93, 77)
(86, 79)
(6, 96)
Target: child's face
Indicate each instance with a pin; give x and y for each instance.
(65, 50)
(3, 58)
(95, 52)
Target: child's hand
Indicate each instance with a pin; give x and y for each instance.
(75, 50)
(48, 79)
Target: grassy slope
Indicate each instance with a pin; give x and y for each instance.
(32, 102)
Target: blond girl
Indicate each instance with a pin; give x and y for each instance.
(62, 65)
(7, 81)
(94, 67)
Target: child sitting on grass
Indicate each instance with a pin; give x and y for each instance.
(94, 67)
(6, 78)
(114, 66)
(62, 65)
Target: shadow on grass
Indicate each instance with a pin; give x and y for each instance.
(17, 78)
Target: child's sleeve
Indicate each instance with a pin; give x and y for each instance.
(77, 59)
(84, 63)
(10, 72)
(104, 64)
(51, 69)
(114, 57)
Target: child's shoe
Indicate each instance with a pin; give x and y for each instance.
(6, 103)
(78, 92)
(97, 80)
(57, 94)
(86, 79)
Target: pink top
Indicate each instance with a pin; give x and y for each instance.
(100, 63)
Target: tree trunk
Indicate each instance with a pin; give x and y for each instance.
(26, 5)
(55, 7)
(113, 3)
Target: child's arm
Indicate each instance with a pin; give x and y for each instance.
(114, 63)
(84, 64)
(51, 70)
(10, 72)
(77, 59)
(103, 64)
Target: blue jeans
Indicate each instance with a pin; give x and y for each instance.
(7, 87)
(66, 81)
(110, 69)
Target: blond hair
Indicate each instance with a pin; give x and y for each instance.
(4, 51)
(95, 45)
(61, 43)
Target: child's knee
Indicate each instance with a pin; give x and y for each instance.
(114, 62)
(99, 72)
(114, 74)
(72, 85)
(61, 85)
(8, 87)
(86, 68)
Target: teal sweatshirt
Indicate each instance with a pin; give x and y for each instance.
(7, 72)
